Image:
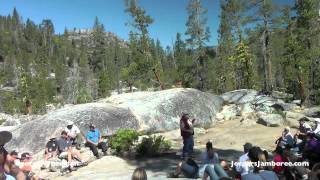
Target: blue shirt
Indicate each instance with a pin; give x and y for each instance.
(93, 136)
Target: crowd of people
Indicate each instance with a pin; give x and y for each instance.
(67, 147)
(296, 156)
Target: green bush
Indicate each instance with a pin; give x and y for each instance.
(153, 146)
(123, 139)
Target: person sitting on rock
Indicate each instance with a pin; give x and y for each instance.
(243, 167)
(7, 167)
(256, 156)
(311, 151)
(74, 134)
(286, 140)
(316, 131)
(67, 151)
(51, 151)
(210, 166)
(304, 129)
(94, 141)
(187, 132)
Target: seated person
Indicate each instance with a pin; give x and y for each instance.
(259, 173)
(51, 151)
(300, 136)
(279, 158)
(94, 141)
(311, 151)
(286, 140)
(210, 166)
(242, 167)
(74, 134)
(317, 125)
(25, 165)
(139, 174)
(7, 167)
(13, 157)
(67, 151)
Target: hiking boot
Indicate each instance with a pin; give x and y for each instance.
(98, 157)
(43, 167)
(84, 163)
(105, 153)
(71, 168)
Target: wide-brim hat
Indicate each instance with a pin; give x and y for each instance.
(5, 137)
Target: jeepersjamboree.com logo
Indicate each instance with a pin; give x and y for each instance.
(269, 164)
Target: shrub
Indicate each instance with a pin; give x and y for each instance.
(123, 139)
(153, 145)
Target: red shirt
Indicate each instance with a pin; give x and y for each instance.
(278, 158)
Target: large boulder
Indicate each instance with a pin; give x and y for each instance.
(272, 120)
(143, 111)
(161, 110)
(251, 100)
(292, 118)
(230, 112)
(33, 135)
(240, 96)
(312, 112)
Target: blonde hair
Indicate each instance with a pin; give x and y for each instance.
(139, 174)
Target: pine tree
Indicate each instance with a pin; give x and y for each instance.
(198, 33)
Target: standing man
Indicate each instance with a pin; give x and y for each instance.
(187, 132)
(94, 141)
(73, 133)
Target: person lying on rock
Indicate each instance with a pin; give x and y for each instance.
(7, 167)
(210, 166)
(74, 134)
(67, 151)
(187, 132)
(94, 141)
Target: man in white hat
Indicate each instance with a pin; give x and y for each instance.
(286, 140)
(73, 133)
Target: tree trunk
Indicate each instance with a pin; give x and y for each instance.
(266, 58)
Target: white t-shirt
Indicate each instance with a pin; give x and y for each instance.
(242, 167)
(317, 130)
(73, 131)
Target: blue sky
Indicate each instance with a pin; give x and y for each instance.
(169, 15)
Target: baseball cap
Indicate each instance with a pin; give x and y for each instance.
(25, 155)
(70, 123)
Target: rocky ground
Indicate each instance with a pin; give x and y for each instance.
(231, 119)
